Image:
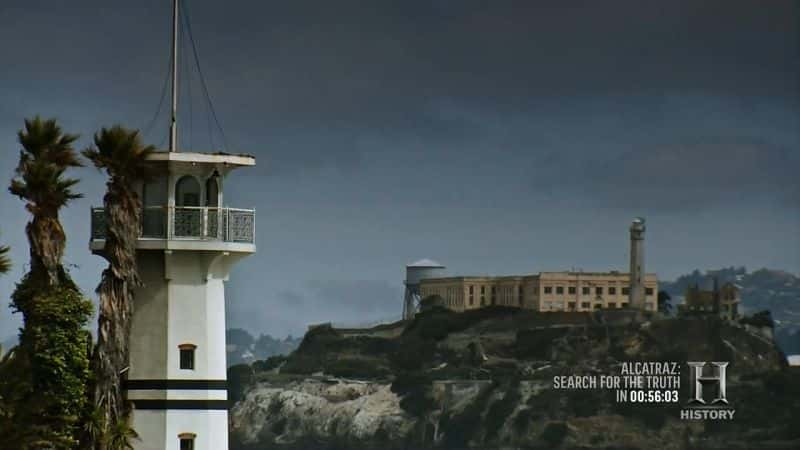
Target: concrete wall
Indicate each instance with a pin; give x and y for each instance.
(148, 351)
(182, 301)
(159, 430)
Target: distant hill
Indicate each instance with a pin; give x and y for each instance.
(775, 290)
(242, 347)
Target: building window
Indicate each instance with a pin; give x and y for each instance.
(470, 290)
(187, 356)
(560, 290)
(571, 289)
(493, 290)
(626, 291)
(571, 306)
(548, 289)
(212, 190)
(598, 306)
(585, 305)
(585, 290)
(598, 290)
(186, 441)
(612, 291)
(187, 191)
(648, 291)
(471, 300)
(612, 305)
(483, 290)
(623, 305)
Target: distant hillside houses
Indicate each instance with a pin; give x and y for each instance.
(243, 348)
(722, 301)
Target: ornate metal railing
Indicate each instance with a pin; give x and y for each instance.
(188, 222)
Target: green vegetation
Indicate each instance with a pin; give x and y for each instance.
(501, 409)
(759, 319)
(239, 377)
(555, 433)
(460, 428)
(43, 382)
(664, 302)
(414, 388)
(271, 363)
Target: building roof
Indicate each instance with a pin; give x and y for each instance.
(203, 158)
(425, 263)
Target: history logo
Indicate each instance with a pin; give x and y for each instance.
(709, 398)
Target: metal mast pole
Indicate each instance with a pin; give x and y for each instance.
(173, 126)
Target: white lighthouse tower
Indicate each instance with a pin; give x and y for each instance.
(189, 242)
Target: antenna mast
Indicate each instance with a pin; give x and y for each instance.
(173, 126)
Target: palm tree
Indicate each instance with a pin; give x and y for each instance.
(121, 153)
(121, 435)
(44, 381)
(39, 180)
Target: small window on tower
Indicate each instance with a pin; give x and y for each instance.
(186, 441)
(626, 291)
(585, 290)
(187, 356)
(649, 291)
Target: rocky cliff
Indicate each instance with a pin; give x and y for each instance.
(484, 379)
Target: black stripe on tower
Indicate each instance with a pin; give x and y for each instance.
(181, 404)
(208, 385)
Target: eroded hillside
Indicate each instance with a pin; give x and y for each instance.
(483, 379)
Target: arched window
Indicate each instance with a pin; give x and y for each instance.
(212, 191)
(187, 191)
(154, 200)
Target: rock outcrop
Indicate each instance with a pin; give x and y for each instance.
(484, 379)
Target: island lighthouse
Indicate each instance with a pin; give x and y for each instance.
(189, 242)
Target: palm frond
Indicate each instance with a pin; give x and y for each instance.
(5, 262)
(40, 174)
(121, 153)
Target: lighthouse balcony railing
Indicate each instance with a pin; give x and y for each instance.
(187, 222)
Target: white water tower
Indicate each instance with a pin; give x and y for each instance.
(415, 272)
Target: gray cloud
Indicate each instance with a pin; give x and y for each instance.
(683, 176)
(486, 134)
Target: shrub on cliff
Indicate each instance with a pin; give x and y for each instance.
(759, 319)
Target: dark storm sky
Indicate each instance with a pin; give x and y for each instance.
(496, 137)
